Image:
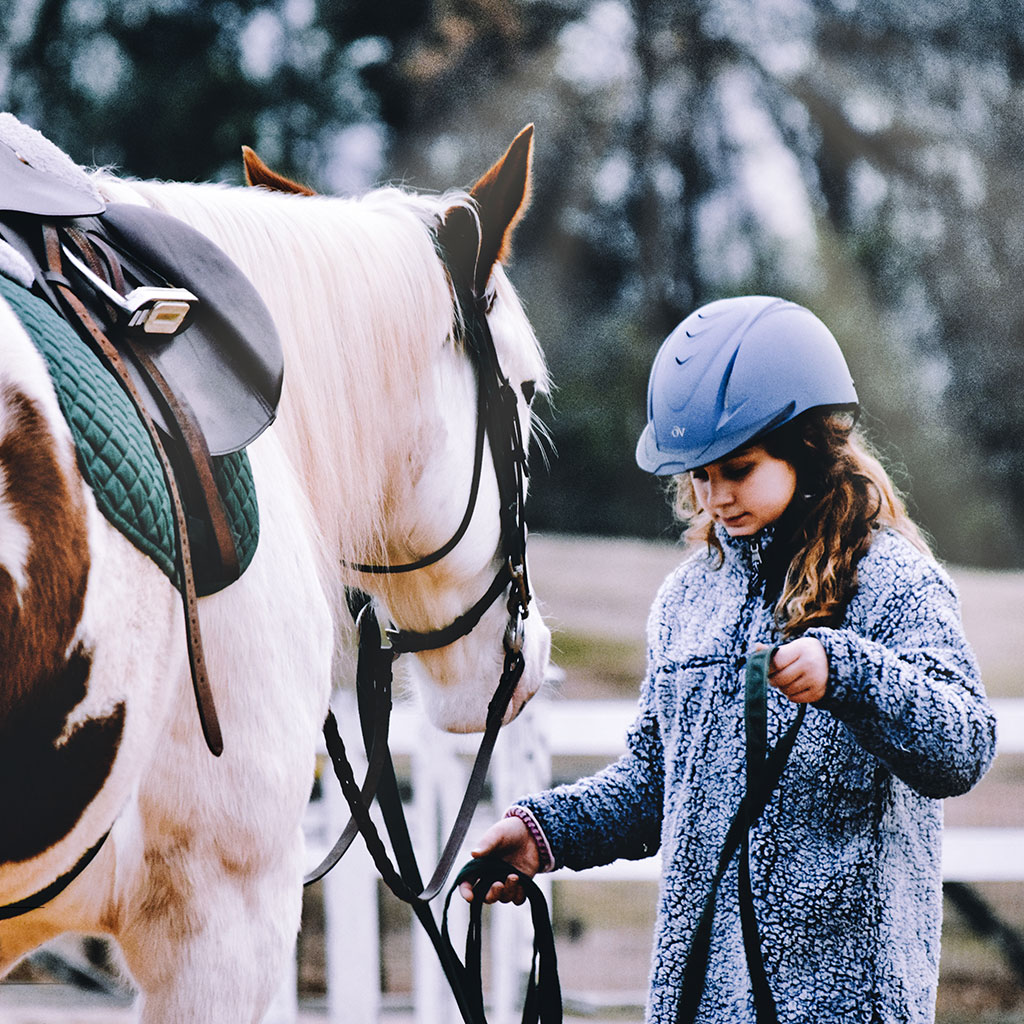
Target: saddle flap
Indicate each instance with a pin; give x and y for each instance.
(228, 363)
(27, 189)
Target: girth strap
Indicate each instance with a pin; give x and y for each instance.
(763, 771)
(55, 888)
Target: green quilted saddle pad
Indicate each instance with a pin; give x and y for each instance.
(116, 457)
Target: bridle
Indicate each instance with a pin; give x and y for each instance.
(499, 425)
(497, 422)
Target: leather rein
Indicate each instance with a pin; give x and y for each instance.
(498, 424)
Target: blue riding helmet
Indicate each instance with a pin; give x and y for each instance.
(732, 371)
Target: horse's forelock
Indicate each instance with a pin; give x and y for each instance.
(518, 349)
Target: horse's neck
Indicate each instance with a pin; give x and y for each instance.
(362, 308)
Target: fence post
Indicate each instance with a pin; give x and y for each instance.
(438, 780)
(284, 1008)
(351, 919)
(521, 765)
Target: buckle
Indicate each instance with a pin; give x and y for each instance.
(515, 634)
(155, 310)
(159, 310)
(519, 592)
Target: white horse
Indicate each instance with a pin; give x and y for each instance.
(370, 459)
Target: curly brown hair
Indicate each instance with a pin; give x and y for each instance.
(843, 495)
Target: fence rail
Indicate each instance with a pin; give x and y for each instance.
(436, 764)
(546, 731)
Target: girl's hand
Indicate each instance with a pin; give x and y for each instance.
(799, 670)
(510, 840)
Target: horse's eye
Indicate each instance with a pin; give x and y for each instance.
(529, 390)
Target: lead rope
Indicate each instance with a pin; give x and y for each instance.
(763, 771)
(404, 880)
(543, 1001)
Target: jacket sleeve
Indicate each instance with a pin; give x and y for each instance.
(908, 687)
(614, 813)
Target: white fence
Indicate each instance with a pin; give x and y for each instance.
(438, 765)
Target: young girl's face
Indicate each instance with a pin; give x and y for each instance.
(745, 491)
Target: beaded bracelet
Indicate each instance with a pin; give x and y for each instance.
(525, 815)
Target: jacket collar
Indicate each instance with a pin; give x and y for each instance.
(746, 550)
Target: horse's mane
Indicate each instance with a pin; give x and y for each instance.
(364, 269)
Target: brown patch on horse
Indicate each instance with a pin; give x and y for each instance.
(47, 783)
(258, 173)
(502, 196)
(47, 779)
(168, 894)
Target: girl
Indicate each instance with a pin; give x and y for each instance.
(800, 542)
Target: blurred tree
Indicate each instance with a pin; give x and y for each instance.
(861, 156)
(856, 156)
(173, 88)
(919, 135)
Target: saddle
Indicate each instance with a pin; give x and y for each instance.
(187, 338)
(226, 362)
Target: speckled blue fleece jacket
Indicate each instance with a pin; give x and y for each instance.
(845, 860)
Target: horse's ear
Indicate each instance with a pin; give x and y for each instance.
(501, 197)
(258, 173)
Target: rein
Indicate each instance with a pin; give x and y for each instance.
(497, 423)
(764, 768)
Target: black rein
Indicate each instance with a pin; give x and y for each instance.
(497, 422)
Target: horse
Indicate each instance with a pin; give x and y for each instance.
(193, 864)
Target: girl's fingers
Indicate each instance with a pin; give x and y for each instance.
(798, 690)
(784, 657)
(799, 670)
(493, 840)
(803, 690)
(785, 678)
(509, 891)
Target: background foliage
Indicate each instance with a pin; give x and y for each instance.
(861, 156)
